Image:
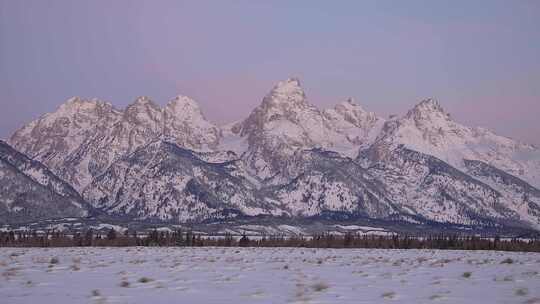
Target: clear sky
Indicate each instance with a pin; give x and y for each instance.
(479, 58)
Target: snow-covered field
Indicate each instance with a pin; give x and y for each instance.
(266, 275)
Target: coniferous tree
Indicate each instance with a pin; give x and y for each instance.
(244, 241)
(88, 237)
(111, 235)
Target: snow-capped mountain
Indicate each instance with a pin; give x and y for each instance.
(427, 128)
(285, 122)
(69, 141)
(287, 158)
(31, 192)
(438, 167)
(83, 137)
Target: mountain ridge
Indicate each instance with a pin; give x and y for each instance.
(286, 158)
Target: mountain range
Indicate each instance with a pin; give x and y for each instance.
(287, 160)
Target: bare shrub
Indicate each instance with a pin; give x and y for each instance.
(145, 280)
(521, 292)
(508, 278)
(507, 261)
(389, 295)
(320, 286)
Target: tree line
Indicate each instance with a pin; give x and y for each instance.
(325, 240)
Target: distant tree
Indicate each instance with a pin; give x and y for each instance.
(178, 238)
(189, 238)
(228, 240)
(77, 239)
(153, 238)
(111, 235)
(348, 240)
(244, 241)
(135, 239)
(88, 237)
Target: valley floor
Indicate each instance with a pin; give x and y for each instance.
(266, 275)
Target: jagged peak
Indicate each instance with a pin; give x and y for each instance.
(80, 100)
(349, 104)
(351, 110)
(287, 90)
(142, 110)
(142, 103)
(427, 107)
(350, 101)
(77, 103)
(184, 108)
(74, 99)
(286, 98)
(143, 100)
(183, 104)
(430, 104)
(291, 82)
(431, 101)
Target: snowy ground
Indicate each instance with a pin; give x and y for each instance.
(269, 275)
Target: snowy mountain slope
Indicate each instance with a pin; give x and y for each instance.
(328, 182)
(163, 181)
(518, 194)
(29, 191)
(434, 189)
(83, 137)
(427, 128)
(166, 182)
